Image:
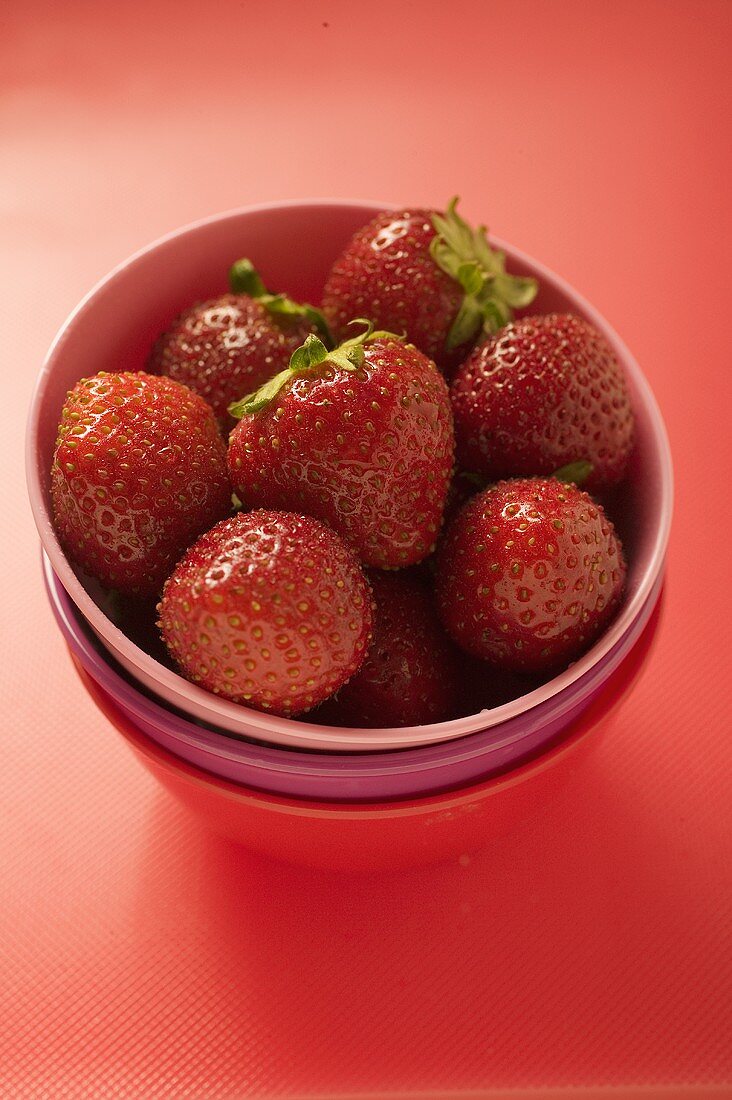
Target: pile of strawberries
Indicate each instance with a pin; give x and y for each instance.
(371, 509)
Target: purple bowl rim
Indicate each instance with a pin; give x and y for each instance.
(303, 731)
(344, 765)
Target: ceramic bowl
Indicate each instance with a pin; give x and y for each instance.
(337, 777)
(114, 328)
(385, 835)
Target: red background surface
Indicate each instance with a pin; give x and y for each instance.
(140, 956)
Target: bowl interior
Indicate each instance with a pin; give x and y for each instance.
(293, 246)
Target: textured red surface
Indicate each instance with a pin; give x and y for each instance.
(140, 956)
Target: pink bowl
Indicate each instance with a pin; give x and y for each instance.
(382, 835)
(114, 327)
(407, 773)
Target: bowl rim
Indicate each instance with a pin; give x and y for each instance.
(273, 728)
(444, 801)
(363, 768)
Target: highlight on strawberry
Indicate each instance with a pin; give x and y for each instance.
(269, 609)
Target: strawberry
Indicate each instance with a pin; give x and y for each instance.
(270, 609)
(542, 392)
(360, 437)
(228, 346)
(411, 675)
(427, 275)
(139, 471)
(528, 574)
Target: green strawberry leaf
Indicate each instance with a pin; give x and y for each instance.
(496, 314)
(348, 356)
(574, 472)
(491, 294)
(245, 279)
(444, 256)
(266, 393)
(466, 324)
(515, 290)
(455, 231)
(282, 306)
(471, 277)
(309, 354)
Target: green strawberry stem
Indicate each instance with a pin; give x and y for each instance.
(348, 356)
(490, 293)
(574, 472)
(245, 279)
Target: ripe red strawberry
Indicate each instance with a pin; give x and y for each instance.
(138, 472)
(228, 346)
(543, 392)
(269, 609)
(360, 437)
(427, 275)
(529, 573)
(411, 675)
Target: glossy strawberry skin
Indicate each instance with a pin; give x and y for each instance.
(139, 471)
(225, 348)
(528, 574)
(540, 393)
(412, 673)
(368, 451)
(268, 609)
(387, 274)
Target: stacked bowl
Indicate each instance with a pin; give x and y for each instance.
(323, 795)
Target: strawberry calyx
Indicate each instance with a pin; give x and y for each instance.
(574, 473)
(245, 279)
(348, 356)
(490, 293)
